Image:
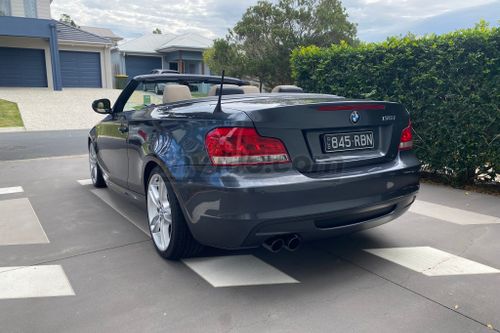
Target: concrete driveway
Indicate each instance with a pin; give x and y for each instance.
(75, 258)
(79, 259)
(44, 109)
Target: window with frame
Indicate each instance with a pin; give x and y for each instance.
(151, 93)
(143, 96)
(30, 8)
(5, 8)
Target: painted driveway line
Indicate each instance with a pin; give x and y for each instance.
(11, 190)
(34, 281)
(431, 262)
(237, 271)
(19, 223)
(85, 182)
(453, 215)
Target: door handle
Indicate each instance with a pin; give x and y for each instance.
(123, 128)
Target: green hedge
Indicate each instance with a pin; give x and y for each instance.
(449, 83)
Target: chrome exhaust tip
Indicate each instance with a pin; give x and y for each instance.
(292, 243)
(274, 244)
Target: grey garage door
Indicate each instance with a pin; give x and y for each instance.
(137, 65)
(22, 67)
(80, 69)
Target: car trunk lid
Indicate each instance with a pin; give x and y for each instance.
(334, 136)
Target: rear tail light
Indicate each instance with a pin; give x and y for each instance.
(243, 146)
(406, 142)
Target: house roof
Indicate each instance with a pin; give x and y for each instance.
(102, 32)
(186, 41)
(67, 33)
(146, 43)
(165, 42)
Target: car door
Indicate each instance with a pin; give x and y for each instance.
(112, 136)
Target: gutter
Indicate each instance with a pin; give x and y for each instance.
(77, 42)
(124, 53)
(178, 48)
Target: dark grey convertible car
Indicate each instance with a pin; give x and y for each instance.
(236, 170)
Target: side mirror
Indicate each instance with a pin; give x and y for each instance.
(102, 106)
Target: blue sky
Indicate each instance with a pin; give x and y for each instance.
(376, 19)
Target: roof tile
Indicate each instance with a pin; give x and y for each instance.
(66, 32)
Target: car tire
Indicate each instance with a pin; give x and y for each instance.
(167, 224)
(95, 170)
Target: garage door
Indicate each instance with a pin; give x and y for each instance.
(80, 69)
(136, 65)
(22, 67)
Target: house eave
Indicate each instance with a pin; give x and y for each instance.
(180, 48)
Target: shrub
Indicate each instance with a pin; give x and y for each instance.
(449, 83)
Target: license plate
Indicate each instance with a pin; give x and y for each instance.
(348, 141)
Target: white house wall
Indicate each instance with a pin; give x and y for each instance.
(32, 43)
(17, 8)
(43, 9)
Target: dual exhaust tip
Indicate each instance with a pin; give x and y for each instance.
(289, 242)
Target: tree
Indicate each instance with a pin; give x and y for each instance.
(65, 18)
(226, 56)
(261, 43)
(157, 31)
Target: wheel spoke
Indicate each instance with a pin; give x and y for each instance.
(154, 195)
(93, 163)
(167, 216)
(155, 224)
(162, 193)
(92, 154)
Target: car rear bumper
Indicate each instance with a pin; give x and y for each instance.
(241, 210)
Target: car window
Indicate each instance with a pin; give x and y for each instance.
(142, 97)
(151, 93)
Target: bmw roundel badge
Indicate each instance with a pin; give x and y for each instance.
(355, 117)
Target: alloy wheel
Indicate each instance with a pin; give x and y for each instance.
(159, 212)
(93, 163)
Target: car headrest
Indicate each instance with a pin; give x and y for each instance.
(176, 92)
(250, 89)
(229, 89)
(287, 89)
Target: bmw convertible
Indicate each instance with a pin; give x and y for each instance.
(234, 168)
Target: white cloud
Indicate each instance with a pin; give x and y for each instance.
(380, 18)
(131, 18)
